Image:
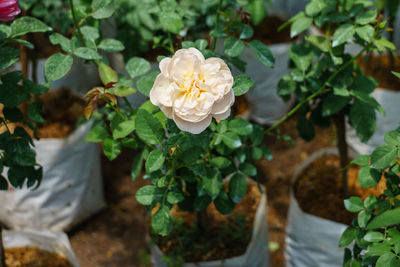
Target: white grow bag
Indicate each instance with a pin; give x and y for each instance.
(71, 189)
(312, 241)
(47, 240)
(256, 255)
(266, 106)
(390, 101)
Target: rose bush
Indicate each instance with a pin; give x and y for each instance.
(192, 90)
(8, 10)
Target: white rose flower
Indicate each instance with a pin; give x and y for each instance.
(191, 90)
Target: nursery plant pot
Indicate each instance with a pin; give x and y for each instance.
(54, 242)
(265, 105)
(71, 189)
(256, 254)
(389, 100)
(312, 240)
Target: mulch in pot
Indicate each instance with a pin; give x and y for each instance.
(62, 110)
(34, 257)
(380, 67)
(319, 191)
(227, 235)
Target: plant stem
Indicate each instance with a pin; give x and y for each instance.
(76, 24)
(171, 44)
(202, 221)
(315, 94)
(2, 254)
(214, 42)
(339, 120)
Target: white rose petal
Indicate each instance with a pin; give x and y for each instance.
(192, 90)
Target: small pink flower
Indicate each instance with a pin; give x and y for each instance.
(8, 10)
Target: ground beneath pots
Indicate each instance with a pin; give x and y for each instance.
(34, 257)
(116, 237)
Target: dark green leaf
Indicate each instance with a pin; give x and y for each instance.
(112, 148)
(145, 83)
(148, 128)
(233, 46)
(148, 194)
(161, 222)
(237, 187)
(242, 84)
(263, 53)
(353, 204)
(155, 161)
(383, 157)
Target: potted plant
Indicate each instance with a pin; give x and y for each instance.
(187, 149)
(329, 87)
(19, 113)
(375, 231)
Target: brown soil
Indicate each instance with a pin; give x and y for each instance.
(319, 189)
(380, 67)
(241, 107)
(61, 110)
(34, 257)
(267, 31)
(221, 249)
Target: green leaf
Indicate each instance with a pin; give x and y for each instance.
(388, 218)
(367, 99)
(213, 185)
(145, 83)
(237, 187)
(248, 169)
(300, 25)
(58, 39)
(111, 45)
(245, 31)
(26, 24)
(171, 22)
(373, 236)
(362, 160)
(267, 152)
(175, 197)
(137, 165)
(107, 74)
(103, 9)
(8, 55)
(233, 46)
(353, 204)
(155, 161)
(123, 129)
(301, 55)
(148, 128)
(392, 138)
(112, 148)
(201, 202)
(321, 42)
(220, 162)
(87, 53)
(363, 218)
(224, 204)
(90, 33)
(242, 84)
(387, 260)
(363, 119)
(377, 249)
(333, 104)
(383, 157)
(365, 32)
(263, 53)
(96, 134)
(231, 140)
(34, 112)
(161, 222)
(137, 66)
(148, 194)
(240, 126)
(366, 17)
(343, 34)
(368, 177)
(57, 66)
(347, 237)
(383, 44)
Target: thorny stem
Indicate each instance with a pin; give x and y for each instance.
(214, 42)
(76, 24)
(339, 120)
(318, 92)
